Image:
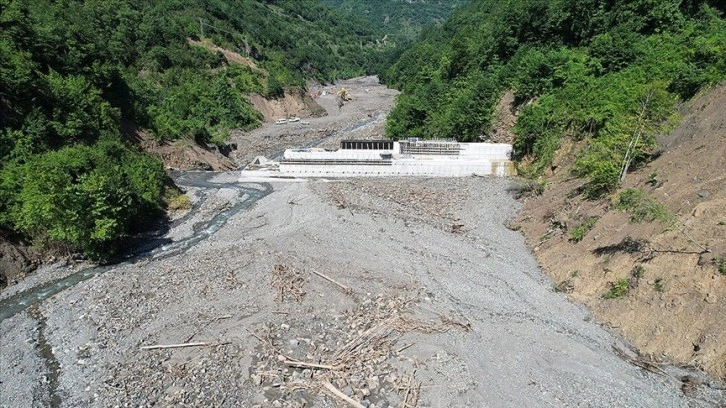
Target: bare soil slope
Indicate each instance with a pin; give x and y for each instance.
(676, 306)
(16, 260)
(187, 155)
(294, 103)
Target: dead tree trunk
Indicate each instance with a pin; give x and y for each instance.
(629, 153)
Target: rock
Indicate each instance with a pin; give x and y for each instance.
(704, 194)
(373, 383)
(294, 342)
(704, 259)
(256, 379)
(347, 390)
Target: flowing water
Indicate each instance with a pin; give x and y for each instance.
(151, 251)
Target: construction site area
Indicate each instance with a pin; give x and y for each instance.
(375, 158)
(373, 292)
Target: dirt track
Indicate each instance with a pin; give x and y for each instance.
(446, 307)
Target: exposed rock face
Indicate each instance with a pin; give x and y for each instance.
(16, 260)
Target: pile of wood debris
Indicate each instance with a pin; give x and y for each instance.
(354, 359)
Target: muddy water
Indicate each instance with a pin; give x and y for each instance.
(153, 251)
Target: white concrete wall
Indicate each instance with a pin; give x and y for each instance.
(474, 158)
(486, 151)
(469, 151)
(336, 155)
(403, 167)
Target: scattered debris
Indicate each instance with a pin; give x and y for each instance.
(639, 361)
(457, 228)
(340, 395)
(411, 393)
(288, 283)
(351, 358)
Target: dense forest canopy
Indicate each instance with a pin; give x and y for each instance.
(599, 71)
(76, 76)
(401, 20)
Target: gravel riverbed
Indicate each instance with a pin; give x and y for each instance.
(430, 301)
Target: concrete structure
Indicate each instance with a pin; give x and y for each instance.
(368, 158)
(366, 145)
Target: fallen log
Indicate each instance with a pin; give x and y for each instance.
(346, 289)
(336, 392)
(168, 346)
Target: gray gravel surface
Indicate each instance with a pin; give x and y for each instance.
(371, 103)
(445, 303)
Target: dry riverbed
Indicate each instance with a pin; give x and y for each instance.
(430, 300)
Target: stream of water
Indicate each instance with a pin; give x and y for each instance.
(153, 251)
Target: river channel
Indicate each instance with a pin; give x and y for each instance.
(249, 194)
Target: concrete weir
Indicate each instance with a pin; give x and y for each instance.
(413, 157)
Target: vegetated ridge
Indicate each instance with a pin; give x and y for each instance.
(401, 20)
(602, 73)
(79, 76)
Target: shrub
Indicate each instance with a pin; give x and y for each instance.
(720, 262)
(565, 286)
(531, 188)
(641, 207)
(579, 232)
(177, 201)
(618, 289)
(638, 271)
(653, 179)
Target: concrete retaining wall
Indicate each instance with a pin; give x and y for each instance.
(319, 154)
(472, 158)
(403, 167)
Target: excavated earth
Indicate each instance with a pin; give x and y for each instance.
(395, 292)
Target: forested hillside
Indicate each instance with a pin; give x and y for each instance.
(401, 20)
(76, 76)
(609, 73)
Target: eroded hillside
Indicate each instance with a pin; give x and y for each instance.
(651, 269)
